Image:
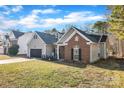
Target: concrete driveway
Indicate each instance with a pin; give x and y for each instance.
(14, 60)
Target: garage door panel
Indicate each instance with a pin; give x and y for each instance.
(36, 53)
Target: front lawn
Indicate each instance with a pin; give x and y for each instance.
(3, 57)
(51, 74)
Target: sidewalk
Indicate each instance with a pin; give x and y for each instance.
(14, 60)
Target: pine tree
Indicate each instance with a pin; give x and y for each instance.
(116, 20)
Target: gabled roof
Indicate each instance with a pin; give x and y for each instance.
(93, 37)
(26, 37)
(17, 34)
(47, 38)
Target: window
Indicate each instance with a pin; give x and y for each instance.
(76, 53)
(76, 38)
(4, 43)
(35, 36)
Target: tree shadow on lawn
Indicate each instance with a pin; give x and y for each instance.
(110, 63)
(72, 64)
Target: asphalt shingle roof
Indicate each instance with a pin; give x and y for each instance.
(17, 33)
(93, 37)
(47, 38)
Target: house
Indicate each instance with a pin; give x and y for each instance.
(41, 45)
(10, 39)
(23, 41)
(57, 34)
(0, 40)
(77, 45)
(1, 47)
(31, 44)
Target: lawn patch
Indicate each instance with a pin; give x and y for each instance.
(40, 73)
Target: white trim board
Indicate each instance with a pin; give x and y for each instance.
(62, 36)
(34, 33)
(75, 31)
(83, 36)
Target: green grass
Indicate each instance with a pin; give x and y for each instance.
(50, 74)
(3, 57)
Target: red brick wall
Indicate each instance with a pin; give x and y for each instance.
(85, 49)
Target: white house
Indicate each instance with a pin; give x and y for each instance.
(23, 42)
(41, 45)
(10, 39)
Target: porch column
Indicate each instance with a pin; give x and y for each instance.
(58, 52)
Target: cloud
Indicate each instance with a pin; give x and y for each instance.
(74, 17)
(7, 23)
(3, 6)
(29, 21)
(32, 20)
(45, 11)
(17, 8)
(50, 11)
(8, 10)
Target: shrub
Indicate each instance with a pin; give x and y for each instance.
(13, 50)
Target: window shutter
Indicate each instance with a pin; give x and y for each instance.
(72, 53)
(79, 54)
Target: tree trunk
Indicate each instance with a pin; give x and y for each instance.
(121, 48)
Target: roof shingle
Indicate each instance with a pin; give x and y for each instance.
(47, 38)
(93, 37)
(17, 34)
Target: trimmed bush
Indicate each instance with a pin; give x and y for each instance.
(13, 50)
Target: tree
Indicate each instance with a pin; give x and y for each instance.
(69, 26)
(116, 20)
(52, 31)
(13, 50)
(63, 30)
(116, 25)
(100, 26)
(88, 27)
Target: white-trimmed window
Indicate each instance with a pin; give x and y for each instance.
(35, 36)
(76, 38)
(76, 53)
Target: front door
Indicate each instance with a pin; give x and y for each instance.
(76, 54)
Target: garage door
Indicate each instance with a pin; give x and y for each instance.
(36, 53)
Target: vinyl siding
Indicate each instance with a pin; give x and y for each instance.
(37, 44)
(94, 52)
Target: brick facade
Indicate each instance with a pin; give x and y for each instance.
(85, 49)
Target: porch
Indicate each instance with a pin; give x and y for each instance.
(68, 54)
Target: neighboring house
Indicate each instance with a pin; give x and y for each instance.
(59, 34)
(1, 47)
(23, 42)
(77, 45)
(55, 32)
(10, 39)
(41, 45)
(0, 40)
